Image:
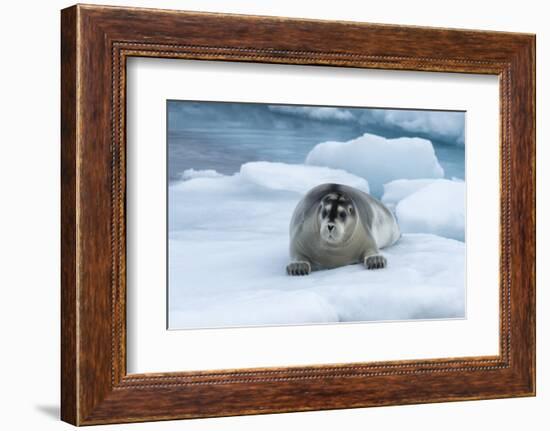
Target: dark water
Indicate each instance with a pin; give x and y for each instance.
(224, 135)
(226, 149)
(451, 158)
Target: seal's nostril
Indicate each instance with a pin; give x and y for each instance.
(330, 227)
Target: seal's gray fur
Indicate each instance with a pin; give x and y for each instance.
(336, 225)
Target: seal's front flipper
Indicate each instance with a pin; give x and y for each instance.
(301, 267)
(376, 261)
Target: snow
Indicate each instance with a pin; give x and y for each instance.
(398, 190)
(379, 160)
(228, 248)
(297, 178)
(437, 208)
(242, 286)
(319, 113)
(445, 125)
(205, 173)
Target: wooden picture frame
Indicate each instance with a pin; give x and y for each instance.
(95, 43)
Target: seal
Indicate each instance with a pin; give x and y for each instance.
(335, 225)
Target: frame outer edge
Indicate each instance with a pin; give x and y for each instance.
(523, 251)
(533, 54)
(69, 200)
(87, 397)
(532, 101)
(531, 83)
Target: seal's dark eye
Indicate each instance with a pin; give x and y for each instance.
(324, 213)
(342, 215)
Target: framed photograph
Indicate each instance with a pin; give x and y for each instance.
(263, 191)
(264, 214)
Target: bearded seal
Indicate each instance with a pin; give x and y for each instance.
(336, 225)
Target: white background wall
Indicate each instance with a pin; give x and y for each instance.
(29, 214)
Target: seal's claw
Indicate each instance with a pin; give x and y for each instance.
(298, 268)
(375, 262)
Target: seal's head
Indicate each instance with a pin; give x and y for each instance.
(337, 218)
